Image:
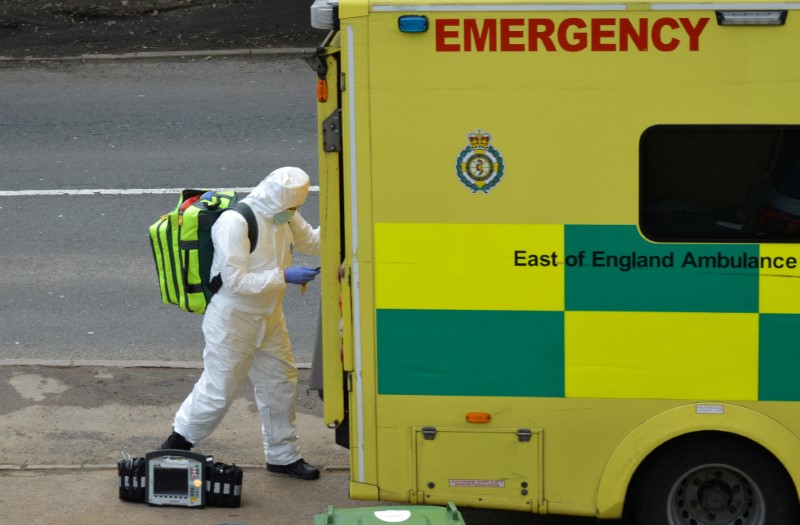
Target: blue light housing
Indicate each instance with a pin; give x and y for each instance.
(413, 23)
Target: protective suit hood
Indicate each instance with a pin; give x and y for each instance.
(282, 189)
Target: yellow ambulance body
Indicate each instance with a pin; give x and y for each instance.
(567, 235)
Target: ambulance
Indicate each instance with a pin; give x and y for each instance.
(567, 236)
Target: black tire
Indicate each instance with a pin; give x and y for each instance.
(712, 479)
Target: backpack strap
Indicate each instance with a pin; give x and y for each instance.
(252, 226)
(252, 234)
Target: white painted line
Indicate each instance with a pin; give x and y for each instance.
(119, 191)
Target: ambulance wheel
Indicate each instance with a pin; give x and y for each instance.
(713, 479)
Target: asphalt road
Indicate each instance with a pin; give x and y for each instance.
(76, 271)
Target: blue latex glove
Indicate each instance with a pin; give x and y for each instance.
(299, 274)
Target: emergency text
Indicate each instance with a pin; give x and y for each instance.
(571, 34)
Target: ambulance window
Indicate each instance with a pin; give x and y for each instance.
(720, 183)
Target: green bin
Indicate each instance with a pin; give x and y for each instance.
(404, 514)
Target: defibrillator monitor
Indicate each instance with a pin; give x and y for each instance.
(176, 478)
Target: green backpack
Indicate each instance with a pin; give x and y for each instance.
(183, 250)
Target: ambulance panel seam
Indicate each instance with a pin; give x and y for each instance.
(496, 8)
(727, 6)
(356, 288)
(584, 7)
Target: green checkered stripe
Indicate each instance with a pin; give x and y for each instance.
(521, 353)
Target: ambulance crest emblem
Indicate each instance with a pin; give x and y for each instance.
(479, 166)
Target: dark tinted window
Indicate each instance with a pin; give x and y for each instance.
(720, 183)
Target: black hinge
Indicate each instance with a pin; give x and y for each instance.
(429, 433)
(524, 435)
(318, 63)
(332, 132)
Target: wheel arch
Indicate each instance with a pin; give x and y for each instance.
(662, 428)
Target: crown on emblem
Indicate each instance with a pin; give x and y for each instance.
(479, 139)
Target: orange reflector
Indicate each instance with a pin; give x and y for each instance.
(478, 417)
(322, 90)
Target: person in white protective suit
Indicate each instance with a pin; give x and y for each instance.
(244, 327)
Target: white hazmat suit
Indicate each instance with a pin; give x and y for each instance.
(244, 327)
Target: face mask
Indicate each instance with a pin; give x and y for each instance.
(283, 217)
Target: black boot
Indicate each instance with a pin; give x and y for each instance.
(299, 469)
(176, 442)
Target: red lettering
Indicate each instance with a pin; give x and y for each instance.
(599, 33)
(570, 34)
(507, 34)
(544, 35)
(578, 40)
(658, 39)
(487, 32)
(442, 34)
(628, 33)
(694, 31)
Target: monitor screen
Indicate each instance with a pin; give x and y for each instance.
(172, 481)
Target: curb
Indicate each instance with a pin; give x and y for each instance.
(69, 363)
(113, 466)
(283, 51)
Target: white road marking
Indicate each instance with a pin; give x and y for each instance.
(103, 191)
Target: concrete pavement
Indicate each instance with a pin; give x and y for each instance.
(64, 429)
